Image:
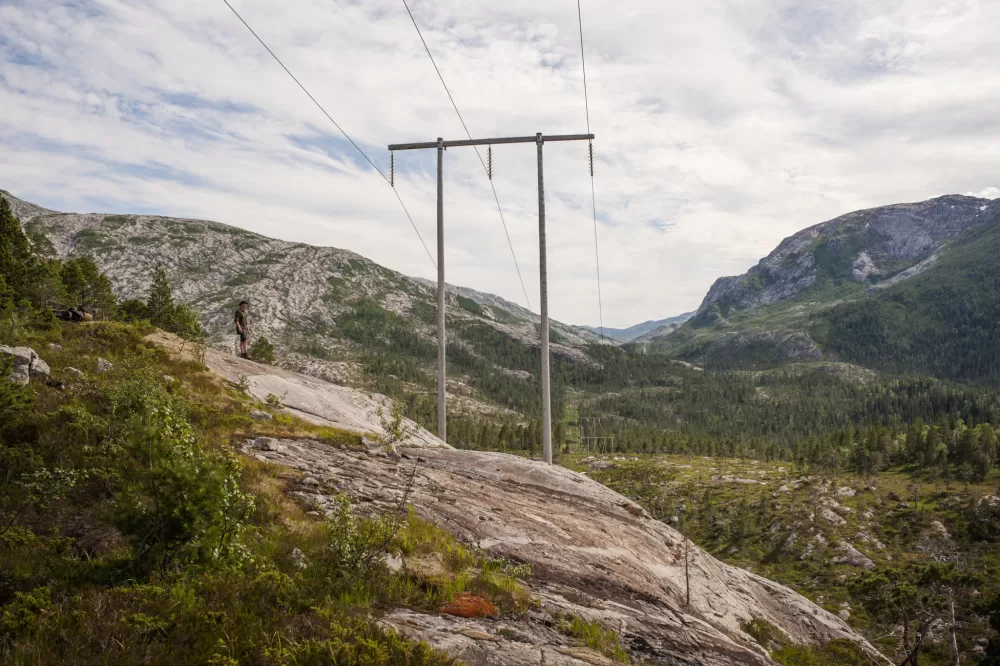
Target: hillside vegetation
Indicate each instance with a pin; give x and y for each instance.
(944, 322)
(132, 533)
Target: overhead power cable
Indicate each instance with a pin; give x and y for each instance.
(593, 195)
(485, 168)
(337, 125)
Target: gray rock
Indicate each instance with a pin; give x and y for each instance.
(19, 376)
(24, 364)
(260, 415)
(939, 530)
(831, 516)
(55, 347)
(104, 365)
(167, 379)
(40, 369)
(844, 614)
(817, 544)
(267, 444)
(851, 556)
(74, 372)
(844, 491)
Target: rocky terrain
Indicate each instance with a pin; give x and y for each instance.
(297, 292)
(594, 554)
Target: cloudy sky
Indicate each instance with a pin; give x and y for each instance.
(722, 126)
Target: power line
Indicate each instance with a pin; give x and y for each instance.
(593, 195)
(337, 125)
(488, 171)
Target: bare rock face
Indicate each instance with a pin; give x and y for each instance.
(594, 553)
(308, 398)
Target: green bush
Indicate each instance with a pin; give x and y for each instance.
(181, 503)
(262, 351)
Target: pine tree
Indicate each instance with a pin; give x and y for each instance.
(17, 263)
(160, 304)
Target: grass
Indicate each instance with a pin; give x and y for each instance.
(597, 637)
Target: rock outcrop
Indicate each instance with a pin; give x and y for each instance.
(594, 554)
(25, 364)
(313, 400)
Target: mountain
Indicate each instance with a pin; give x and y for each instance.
(329, 312)
(804, 301)
(639, 330)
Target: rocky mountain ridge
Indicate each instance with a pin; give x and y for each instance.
(646, 328)
(785, 308)
(875, 248)
(298, 293)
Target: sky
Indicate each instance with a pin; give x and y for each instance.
(722, 126)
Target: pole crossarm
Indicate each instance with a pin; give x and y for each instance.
(492, 142)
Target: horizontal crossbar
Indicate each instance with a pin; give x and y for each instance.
(491, 142)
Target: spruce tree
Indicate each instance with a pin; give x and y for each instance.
(17, 262)
(160, 305)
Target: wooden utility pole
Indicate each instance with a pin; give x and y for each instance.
(442, 145)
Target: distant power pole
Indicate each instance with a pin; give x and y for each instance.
(441, 146)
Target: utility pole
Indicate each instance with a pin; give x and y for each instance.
(441, 145)
(442, 377)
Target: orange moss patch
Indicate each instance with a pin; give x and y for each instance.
(469, 605)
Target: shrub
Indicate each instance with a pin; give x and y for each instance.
(262, 351)
(181, 502)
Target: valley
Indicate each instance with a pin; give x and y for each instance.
(828, 422)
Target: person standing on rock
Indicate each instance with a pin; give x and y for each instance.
(242, 328)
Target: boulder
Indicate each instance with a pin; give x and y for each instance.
(590, 554)
(25, 364)
(40, 369)
(845, 491)
(831, 516)
(939, 530)
(74, 372)
(260, 415)
(104, 365)
(267, 444)
(851, 556)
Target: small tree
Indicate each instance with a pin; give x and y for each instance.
(165, 312)
(17, 262)
(86, 287)
(262, 351)
(160, 304)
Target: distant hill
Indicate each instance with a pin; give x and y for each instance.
(329, 312)
(873, 287)
(632, 332)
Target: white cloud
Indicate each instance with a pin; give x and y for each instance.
(988, 193)
(722, 126)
